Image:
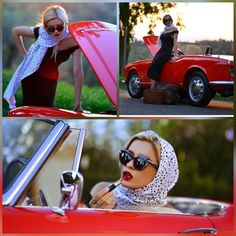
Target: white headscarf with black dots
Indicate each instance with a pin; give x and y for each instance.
(31, 62)
(154, 194)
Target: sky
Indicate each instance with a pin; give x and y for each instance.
(202, 21)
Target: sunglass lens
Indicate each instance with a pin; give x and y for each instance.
(124, 157)
(52, 29)
(60, 28)
(140, 163)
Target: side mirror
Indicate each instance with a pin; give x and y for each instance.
(71, 189)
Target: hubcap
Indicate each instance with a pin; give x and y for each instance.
(196, 88)
(134, 84)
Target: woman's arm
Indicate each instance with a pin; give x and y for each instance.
(17, 33)
(78, 78)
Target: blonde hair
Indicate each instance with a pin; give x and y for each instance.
(54, 12)
(50, 13)
(148, 136)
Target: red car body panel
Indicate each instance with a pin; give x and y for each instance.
(177, 71)
(224, 222)
(30, 220)
(98, 43)
(32, 111)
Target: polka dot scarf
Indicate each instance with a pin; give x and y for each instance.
(154, 194)
(31, 62)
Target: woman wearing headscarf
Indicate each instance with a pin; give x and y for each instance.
(167, 42)
(38, 72)
(149, 170)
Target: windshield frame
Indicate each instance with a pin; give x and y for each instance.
(16, 189)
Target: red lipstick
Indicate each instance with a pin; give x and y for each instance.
(127, 176)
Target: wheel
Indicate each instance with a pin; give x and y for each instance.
(198, 90)
(134, 88)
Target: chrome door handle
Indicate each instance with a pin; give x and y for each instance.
(199, 230)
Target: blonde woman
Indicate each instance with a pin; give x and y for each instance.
(149, 170)
(167, 42)
(38, 72)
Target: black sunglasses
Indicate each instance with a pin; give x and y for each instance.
(59, 28)
(139, 163)
(167, 20)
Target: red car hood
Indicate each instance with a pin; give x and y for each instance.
(98, 42)
(151, 43)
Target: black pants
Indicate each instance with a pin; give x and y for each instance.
(38, 91)
(157, 65)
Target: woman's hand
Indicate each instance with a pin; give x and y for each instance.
(102, 199)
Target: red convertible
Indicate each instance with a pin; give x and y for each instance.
(197, 77)
(97, 40)
(42, 189)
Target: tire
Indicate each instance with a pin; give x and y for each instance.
(134, 88)
(198, 89)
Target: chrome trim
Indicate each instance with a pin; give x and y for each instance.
(199, 231)
(196, 201)
(222, 83)
(222, 205)
(79, 149)
(20, 184)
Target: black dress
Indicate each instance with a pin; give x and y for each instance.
(162, 56)
(39, 88)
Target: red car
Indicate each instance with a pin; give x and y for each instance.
(98, 42)
(197, 77)
(42, 191)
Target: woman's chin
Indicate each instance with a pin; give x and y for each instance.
(129, 184)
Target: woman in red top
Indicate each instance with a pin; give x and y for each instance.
(40, 86)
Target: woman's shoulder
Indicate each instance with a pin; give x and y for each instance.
(172, 30)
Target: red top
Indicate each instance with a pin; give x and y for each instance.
(49, 67)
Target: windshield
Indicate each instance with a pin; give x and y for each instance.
(21, 138)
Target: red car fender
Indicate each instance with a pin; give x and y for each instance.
(189, 70)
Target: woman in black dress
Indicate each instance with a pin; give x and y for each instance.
(54, 45)
(167, 42)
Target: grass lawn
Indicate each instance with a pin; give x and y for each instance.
(93, 99)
